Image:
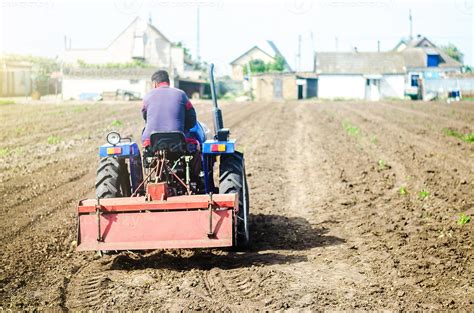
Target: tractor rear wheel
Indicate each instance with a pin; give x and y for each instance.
(113, 180)
(233, 180)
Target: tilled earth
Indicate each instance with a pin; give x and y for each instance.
(354, 206)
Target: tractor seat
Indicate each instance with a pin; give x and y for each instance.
(174, 143)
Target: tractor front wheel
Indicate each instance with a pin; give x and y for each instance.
(233, 180)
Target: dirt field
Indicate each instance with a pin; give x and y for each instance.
(338, 216)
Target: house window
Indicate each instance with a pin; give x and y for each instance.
(433, 60)
(371, 81)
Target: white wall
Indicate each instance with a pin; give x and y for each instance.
(392, 86)
(341, 86)
(72, 88)
(177, 58)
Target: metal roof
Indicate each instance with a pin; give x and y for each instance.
(416, 57)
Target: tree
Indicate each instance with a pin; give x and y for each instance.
(277, 66)
(197, 65)
(453, 51)
(258, 66)
(186, 51)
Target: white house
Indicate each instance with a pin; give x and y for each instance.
(425, 64)
(139, 41)
(393, 74)
(360, 75)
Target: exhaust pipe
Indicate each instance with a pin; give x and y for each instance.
(220, 133)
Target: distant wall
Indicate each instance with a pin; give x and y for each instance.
(263, 87)
(442, 86)
(341, 86)
(392, 86)
(73, 87)
(15, 82)
(354, 86)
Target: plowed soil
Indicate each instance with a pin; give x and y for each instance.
(354, 205)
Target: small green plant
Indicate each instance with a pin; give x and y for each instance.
(6, 101)
(4, 152)
(469, 137)
(382, 164)
(80, 109)
(463, 219)
(352, 130)
(423, 194)
(54, 140)
(402, 191)
(20, 130)
(374, 140)
(116, 123)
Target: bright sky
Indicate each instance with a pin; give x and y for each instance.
(229, 28)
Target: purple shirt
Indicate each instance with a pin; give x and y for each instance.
(167, 109)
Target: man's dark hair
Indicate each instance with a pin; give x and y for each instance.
(160, 77)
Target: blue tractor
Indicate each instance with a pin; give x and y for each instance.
(155, 200)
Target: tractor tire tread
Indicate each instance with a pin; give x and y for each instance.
(231, 180)
(107, 181)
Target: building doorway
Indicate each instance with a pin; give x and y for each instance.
(372, 89)
(311, 88)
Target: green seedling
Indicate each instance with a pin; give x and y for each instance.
(116, 123)
(423, 194)
(80, 109)
(53, 140)
(374, 140)
(463, 219)
(351, 130)
(382, 164)
(4, 152)
(402, 191)
(469, 137)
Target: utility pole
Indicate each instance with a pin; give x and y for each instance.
(337, 44)
(378, 45)
(299, 53)
(411, 25)
(313, 48)
(198, 35)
